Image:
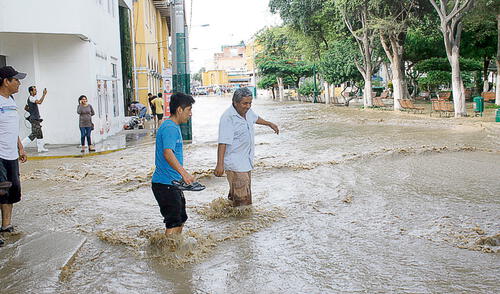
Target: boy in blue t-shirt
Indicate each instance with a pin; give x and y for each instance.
(169, 161)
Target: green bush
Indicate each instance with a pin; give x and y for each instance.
(306, 89)
(434, 79)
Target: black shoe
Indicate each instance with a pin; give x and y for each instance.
(2, 243)
(9, 229)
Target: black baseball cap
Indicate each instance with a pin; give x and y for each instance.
(7, 72)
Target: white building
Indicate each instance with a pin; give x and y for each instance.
(72, 48)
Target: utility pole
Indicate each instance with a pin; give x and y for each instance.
(180, 58)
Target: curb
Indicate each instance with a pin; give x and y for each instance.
(75, 155)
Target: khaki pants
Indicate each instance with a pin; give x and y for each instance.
(240, 191)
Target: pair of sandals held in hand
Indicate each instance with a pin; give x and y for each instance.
(181, 185)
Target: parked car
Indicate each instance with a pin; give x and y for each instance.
(200, 91)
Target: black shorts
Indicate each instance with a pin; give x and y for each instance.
(159, 116)
(9, 171)
(172, 204)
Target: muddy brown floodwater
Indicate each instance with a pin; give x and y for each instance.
(345, 201)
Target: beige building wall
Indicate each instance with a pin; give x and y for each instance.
(151, 49)
(214, 78)
(232, 58)
(237, 62)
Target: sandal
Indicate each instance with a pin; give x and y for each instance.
(91, 148)
(185, 187)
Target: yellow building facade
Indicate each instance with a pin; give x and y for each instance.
(150, 33)
(214, 78)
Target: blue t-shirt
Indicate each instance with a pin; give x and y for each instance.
(168, 137)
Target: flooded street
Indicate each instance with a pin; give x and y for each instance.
(345, 201)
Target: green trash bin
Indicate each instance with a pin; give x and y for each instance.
(479, 105)
(497, 116)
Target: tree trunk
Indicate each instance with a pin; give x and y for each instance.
(367, 97)
(397, 81)
(486, 84)
(327, 93)
(281, 90)
(388, 72)
(497, 98)
(394, 51)
(274, 95)
(457, 85)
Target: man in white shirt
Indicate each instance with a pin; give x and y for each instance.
(11, 149)
(35, 119)
(235, 151)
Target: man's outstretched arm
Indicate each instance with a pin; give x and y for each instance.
(261, 121)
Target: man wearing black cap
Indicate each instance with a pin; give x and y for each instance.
(11, 149)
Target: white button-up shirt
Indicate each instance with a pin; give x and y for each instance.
(238, 134)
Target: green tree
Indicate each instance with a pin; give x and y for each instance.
(391, 20)
(422, 42)
(357, 15)
(314, 19)
(280, 57)
(337, 65)
(293, 70)
(479, 38)
(451, 14)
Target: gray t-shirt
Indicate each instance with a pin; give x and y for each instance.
(86, 113)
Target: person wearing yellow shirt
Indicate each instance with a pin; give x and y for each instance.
(158, 109)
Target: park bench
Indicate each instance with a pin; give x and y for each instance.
(488, 96)
(414, 107)
(407, 105)
(444, 95)
(404, 105)
(377, 102)
(442, 107)
(384, 95)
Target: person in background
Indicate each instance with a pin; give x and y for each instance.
(158, 105)
(35, 119)
(11, 149)
(85, 111)
(152, 107)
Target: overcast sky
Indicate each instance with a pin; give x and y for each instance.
(231, 21)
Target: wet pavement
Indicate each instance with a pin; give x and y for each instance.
(345, 201)
(122, 140)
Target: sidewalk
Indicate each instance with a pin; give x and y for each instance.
(122, 140)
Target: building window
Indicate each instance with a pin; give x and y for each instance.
(106, 99)
(100, 98)
(116, 108)
(114, 69)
